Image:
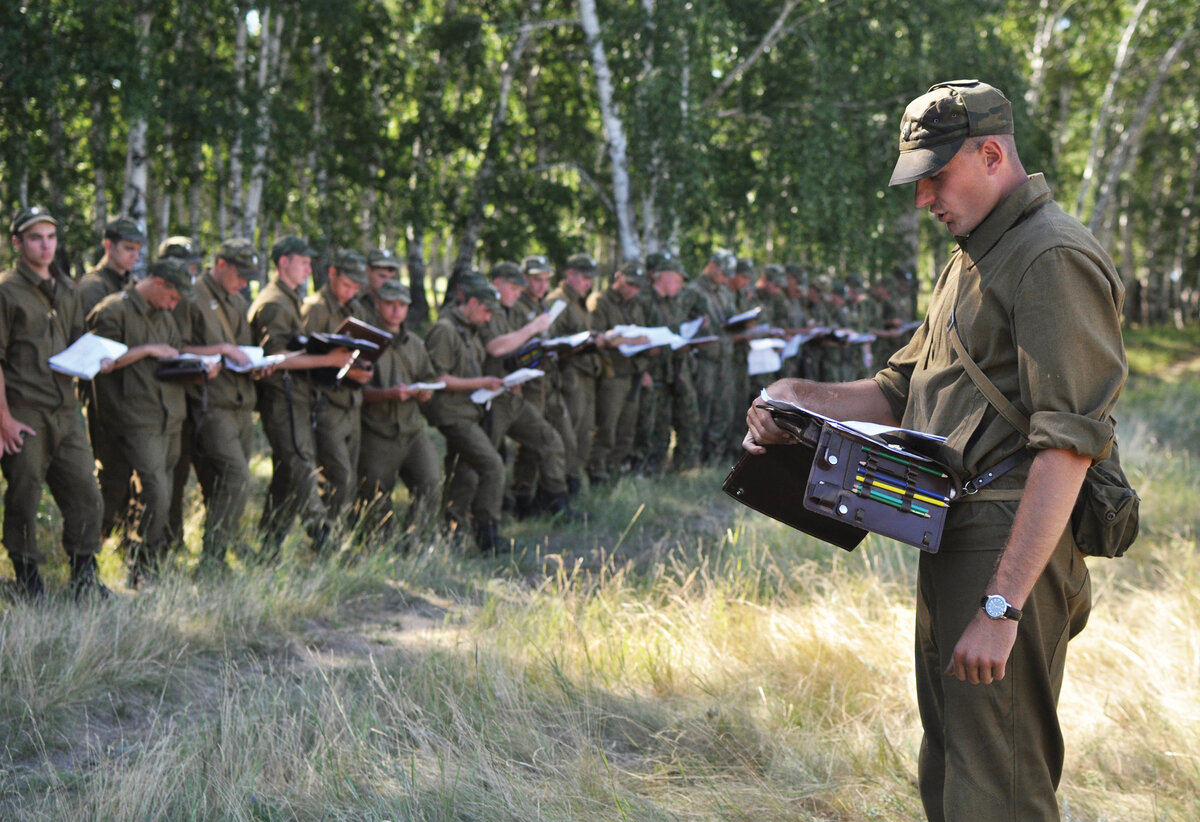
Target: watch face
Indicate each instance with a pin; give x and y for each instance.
(996, 606)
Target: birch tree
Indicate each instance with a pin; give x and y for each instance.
(137, 157)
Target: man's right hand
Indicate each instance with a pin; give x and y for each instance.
(12, 434)
(762, 430)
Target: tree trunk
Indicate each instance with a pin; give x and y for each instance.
(268, 68)
(234, 183)
(137, 157)
(614, 131)
(484, 177)
(1131, 136)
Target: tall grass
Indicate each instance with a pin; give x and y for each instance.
(673, 657)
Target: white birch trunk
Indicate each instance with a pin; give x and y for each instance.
(1100, 126)
(268, 66)
(137, 157)
(234, 183)
(614, 130)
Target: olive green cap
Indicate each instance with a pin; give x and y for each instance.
(507, 271)
(936, 124)
(291, 244)
(745, 267)
(392, 290)
(774, 273)
(181, 248)
(351, 264)
(26, 217)
(583, 263)
(634, 275)
(382, 258)
(174, 271)
(474, 285)
(724, 260)
(242, 255)
(536, 264)
(125, 228)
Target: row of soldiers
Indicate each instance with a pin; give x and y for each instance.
(342, 434)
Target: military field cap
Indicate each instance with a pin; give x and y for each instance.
(507, 271)
(26, 217)
(536, 264)
(798, 271)
(583, 263)
(838, 287)
(936, 124)
(241, 254)
(181, 248)
(474, 285)
(391, 290)
(291, 244)
(822, 282)
(854, 281)
(635, 275)
(382, 258)
(351, 264)
(662, 261)
(125, 228)
(174, 271)
(774, 273)
(745, 266)
(725, 261)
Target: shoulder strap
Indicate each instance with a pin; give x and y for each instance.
(989, 390)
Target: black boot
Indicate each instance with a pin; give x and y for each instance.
(29, 581)
(525, 506)
(559, 506)
(573, 485)
(85, 581)
(487, 539)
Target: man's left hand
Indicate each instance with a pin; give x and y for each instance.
(982, 652)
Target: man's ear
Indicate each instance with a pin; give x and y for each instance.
(993, 155)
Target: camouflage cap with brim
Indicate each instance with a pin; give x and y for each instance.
(291, 244)
(393, 291)
(509, 271)
(724, 260)
(27, 217)
(474, 285)
(350, 264)
(744, 267)
(174, 271)
(382, 258)
(936, 124)
(125, 228)
(536, 264)
(583, 263)
(634, 275)
(242, 255)
(181, 248)
(775, 274)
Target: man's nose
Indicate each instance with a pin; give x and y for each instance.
(924, 193)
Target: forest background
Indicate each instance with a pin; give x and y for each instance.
(463, 132)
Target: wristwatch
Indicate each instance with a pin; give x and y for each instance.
(997, 607)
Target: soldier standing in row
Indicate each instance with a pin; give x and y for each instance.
(41, 436)
(707, 297)
(579, 370)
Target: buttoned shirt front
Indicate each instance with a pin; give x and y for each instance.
(38, 319)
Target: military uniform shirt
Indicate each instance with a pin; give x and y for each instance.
(274, 322)
(322, 314)
(133, 397)
(207, 319)
(403, 362)
(609, 310)
(34, 326)
(456, 349)
(1045, 329)
(97, 284)
(572, 320)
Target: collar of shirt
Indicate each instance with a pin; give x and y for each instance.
(139, 302)
(1032, 193)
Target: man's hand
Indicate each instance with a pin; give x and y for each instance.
(12, 434)
(762, 430)
(237, 355)
(982, 652)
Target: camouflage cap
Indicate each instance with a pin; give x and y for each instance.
(507, 271)
(854, 281)
(174, 271)
(181, 248)
(774, 273)
(583, 263)
(822, 282)
(242, 255)
(936, 124)
(634, 275)
(744, 267)
(382, 258)
(661, 261)
(797, 271)
(392, 290)
(350, 264)
(125, 228)
(536, 264)
(26, 217)
(474, 285)
(290, 244)
(724, 260)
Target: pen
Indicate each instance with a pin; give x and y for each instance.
(922, 493)
(889, 456)
(892, 501)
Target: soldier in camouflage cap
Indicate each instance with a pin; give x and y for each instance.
(937, 123)
(382, 266)
(182, 248)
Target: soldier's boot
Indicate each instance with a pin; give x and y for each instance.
(573, 485)
(29, 580)
(85, 580)
(559, 505)
(487, 538)
(322, 539)
(525, 506)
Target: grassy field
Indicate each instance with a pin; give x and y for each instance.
(675, 657)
